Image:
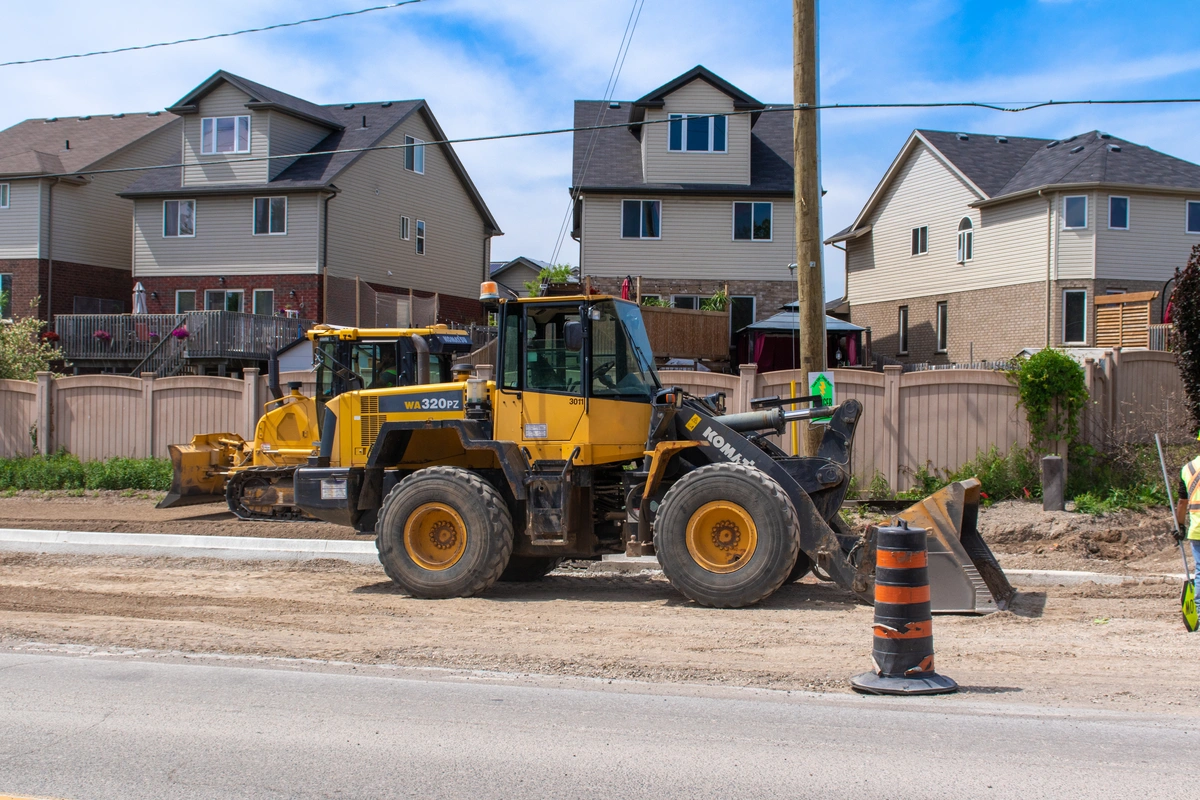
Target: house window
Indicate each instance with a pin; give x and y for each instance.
(420, 237)
(3, 195)
(414, 155)
(270, 216)
(690, 301)
(179, 218)
(185, 300)
(696, 133)
(1118, 213)
(741, 314)
(920, 240)
(752, 222)
(5, 296)
(404, 232)
(224, 135)
(223, 300)
(1193, 216)
(902, 328)
(640, 219)
(966, 240)
(1114, 290)
(1075, 316)
(943, 319)
(264, 302)
(1075, 212)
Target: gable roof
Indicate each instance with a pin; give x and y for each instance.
(657, 97)
(497, 267)
(261, 97)
(39, 146)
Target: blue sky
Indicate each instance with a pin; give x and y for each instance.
(492, 66)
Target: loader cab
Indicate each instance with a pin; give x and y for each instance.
(382, 362)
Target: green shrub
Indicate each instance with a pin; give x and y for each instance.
(65, 471)
(1053, 392)
(1136, 498)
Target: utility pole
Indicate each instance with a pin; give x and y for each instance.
(810, 273)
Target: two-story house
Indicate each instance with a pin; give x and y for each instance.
(64, 233)
(251, 223)
(976, 246)
(692, 192)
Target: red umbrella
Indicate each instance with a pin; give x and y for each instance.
(625, 289)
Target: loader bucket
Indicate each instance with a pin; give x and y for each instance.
(964, 576)
(199, 469)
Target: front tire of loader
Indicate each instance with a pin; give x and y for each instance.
(526, 569)
(444, 532)
(726, 536)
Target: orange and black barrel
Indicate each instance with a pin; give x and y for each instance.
(903, 650)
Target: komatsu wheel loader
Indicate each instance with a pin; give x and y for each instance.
(255, 477)
(575, 450)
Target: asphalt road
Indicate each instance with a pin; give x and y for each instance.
(120, 727)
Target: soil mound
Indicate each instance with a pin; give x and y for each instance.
(1019, 527)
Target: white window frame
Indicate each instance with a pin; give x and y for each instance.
(922, 241)
(405, 229)
(5, 191)
(213, 140)
(1187, 213)
(1128, 209)
(178, 209)
(420, 236)
(641, 219)
(178, 292)
(270, 213)
(1068, 198)
(941, 315)
(966, 237)
(226, 292)
(254, 301)
(416, 148)
(683, 117)
(733, 220)
(1084, 292)
(902, 331)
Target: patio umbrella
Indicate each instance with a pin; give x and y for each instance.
(139, 299)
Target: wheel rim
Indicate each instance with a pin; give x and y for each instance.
(721, 536)
(435, 536)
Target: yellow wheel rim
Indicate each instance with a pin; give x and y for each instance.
(721, 536)
(435, 536)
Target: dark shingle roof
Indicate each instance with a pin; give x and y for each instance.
(988, 161)
(38, 146)
(263, 97)
(657, 97)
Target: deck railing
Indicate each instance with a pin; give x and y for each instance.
(1160, 336)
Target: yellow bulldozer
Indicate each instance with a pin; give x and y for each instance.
(576, 450)
(255, 477)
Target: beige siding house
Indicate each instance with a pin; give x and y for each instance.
(64, 232)
(692, 193)
(974, 247)
(515, 274)
(279, 209)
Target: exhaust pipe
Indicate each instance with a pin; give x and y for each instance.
(422, 348)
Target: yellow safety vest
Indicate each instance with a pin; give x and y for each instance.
(1191, 478)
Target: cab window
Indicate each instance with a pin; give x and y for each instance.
(622, 364)
(550, 365)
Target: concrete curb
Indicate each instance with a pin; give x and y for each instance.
(159, 544)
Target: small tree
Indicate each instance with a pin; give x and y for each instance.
(23, 354)
(1053, 392)
(1185, 318)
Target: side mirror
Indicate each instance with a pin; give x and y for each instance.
(573, 335)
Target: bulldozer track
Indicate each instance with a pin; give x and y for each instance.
(234, 495)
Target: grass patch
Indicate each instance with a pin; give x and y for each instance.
(65, 471)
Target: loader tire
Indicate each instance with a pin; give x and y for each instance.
(726, 536)
(444, 532)
(526, 569)
(802, 567)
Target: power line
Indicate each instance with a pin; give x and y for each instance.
(1006, 107)
(276, 26)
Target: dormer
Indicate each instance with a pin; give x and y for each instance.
(230, 123)
(696, 138)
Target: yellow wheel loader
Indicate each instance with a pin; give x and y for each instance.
(255, 477)
(576, 450)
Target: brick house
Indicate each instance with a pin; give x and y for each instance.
(974, 246)
(64, 233)
(251, 224)
(699, 200)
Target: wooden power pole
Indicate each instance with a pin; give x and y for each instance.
(810, 273)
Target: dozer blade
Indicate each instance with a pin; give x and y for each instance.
(964, 576)
(198, 469)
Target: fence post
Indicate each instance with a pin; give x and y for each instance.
(747, 386)
(252, 402)
(145, 443)
(892, 373)
(1114, 389)
(45, 411)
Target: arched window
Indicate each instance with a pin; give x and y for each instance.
(966, 243)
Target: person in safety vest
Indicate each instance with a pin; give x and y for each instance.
(1191, 485)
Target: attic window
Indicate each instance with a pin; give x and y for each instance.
(224, 135)
(696, 133)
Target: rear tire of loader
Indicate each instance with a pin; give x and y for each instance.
(526, 569)
(444, 532)
(726, 536)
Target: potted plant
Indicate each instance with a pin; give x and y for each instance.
(102, 336)
(181, 332)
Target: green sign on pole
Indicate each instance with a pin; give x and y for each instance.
(822, 383)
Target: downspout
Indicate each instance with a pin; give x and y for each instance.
(50, 254)
(324, 315)
(1049, 257)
